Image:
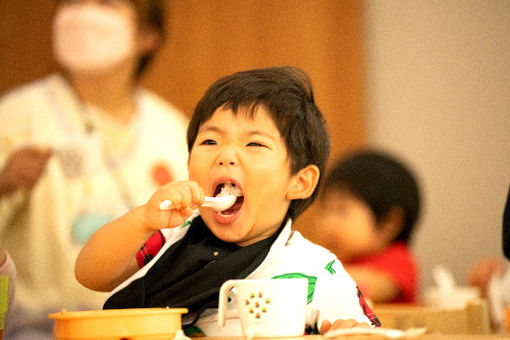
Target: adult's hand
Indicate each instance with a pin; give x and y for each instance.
(23, 169)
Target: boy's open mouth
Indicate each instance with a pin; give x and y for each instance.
(229, 188)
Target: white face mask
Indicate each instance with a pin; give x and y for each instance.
(91, 38)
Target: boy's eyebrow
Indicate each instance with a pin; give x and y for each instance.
(209, 128)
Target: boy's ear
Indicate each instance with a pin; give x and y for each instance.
(392, 223)
(303, 183)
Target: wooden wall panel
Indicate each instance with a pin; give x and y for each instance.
(25, 41)
(212, 38)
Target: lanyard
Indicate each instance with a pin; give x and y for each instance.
(112, 164)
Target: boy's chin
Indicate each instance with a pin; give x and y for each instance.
(224, 233)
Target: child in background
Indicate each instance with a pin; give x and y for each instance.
(370, 205)
(259, 134)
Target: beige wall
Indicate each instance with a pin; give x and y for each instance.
(438, 93)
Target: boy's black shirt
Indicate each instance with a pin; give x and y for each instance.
(190, 273)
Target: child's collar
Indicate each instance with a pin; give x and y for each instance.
(280, 242)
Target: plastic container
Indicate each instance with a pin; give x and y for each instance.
(457, 297)
(115, 324)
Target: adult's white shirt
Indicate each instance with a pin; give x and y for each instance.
(45, 230)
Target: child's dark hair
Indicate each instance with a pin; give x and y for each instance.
(151, 15)
(381, 181)
(286, 93)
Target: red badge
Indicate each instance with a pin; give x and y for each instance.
(161, 174)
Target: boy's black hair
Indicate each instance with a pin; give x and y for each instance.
(286, 93)
(381, 181)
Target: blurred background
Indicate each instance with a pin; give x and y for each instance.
(426, 80)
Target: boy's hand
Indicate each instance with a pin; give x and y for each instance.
(185, 197)
(349, 323)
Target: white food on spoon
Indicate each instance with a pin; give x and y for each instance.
(219, 203)
(224, 200)
(229, 193)
(229, 189)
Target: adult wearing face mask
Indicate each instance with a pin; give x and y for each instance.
(79, 148)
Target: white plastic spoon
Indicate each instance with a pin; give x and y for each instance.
(219, 203)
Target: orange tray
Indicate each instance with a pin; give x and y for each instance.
(115, 324)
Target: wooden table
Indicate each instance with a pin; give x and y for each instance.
(378, 337)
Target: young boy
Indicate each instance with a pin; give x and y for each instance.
(370, 204)
(260, 134)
